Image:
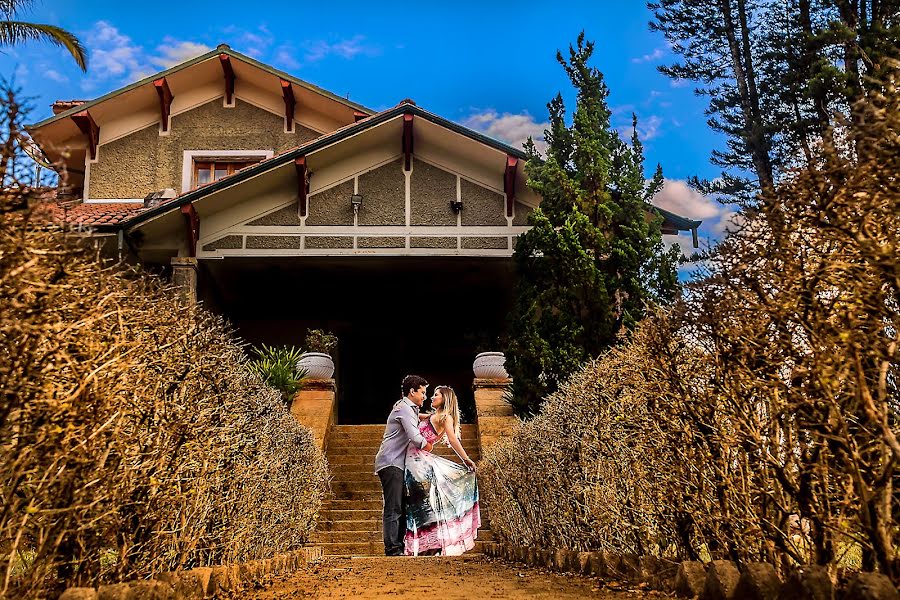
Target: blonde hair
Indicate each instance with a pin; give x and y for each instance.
(450, 407)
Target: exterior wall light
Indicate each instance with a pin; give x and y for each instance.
(356, 202)
(456, 205)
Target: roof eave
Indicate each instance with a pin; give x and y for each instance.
(189, 63)
(313, 146)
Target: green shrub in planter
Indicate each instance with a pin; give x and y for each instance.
(277, 367)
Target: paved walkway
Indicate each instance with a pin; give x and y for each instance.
(467, 577)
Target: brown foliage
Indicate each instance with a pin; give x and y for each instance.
(134, 439)
(757, 419)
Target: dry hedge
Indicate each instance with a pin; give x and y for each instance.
(757, 419)
(134, 439)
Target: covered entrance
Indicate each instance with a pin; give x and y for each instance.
(393, 315)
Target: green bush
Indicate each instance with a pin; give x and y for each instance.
(278, 368)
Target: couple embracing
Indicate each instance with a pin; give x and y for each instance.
(430, 503)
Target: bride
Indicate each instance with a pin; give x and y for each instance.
(442, 515)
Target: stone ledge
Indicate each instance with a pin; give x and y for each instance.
(202, 582)
(718, 580)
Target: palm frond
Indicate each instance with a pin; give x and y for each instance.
(16, 32)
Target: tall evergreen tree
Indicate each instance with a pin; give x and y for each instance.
(594, 255)
(775, 73)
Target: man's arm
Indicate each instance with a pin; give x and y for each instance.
(410, 424)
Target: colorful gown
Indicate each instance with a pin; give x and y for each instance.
(441, 504)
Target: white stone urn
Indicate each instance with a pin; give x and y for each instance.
(490, 365)
(317, 365)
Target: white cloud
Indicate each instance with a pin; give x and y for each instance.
(513, 129)
(172, 52)
(729, 222)
(679, 83)
(655, 55)
(55, 76)
(678, 197)
(648, 128)
(113, 55)
(285, 57)
(317, 50)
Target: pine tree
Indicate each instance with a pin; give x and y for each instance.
(775, 73)
(593, 257)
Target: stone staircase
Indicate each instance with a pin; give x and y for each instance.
(350, 522)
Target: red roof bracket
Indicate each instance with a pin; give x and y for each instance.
(90, 129)
(302, 185)
(359, 116)
(229, 77)
(407, 140)
(165, 101)
(192, 227)
(509, 183)
(287, 91)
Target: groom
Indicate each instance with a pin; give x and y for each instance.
(390, 463)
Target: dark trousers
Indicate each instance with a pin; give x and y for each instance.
(394, 516)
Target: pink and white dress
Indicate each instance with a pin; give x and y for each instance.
(441, 503)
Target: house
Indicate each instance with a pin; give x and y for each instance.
(284, 206)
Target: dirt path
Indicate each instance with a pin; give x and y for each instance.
(468, 577)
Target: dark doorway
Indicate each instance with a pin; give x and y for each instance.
(393, 316)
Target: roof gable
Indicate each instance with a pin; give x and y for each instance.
(212, 55)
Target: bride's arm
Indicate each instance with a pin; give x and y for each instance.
(450, 430)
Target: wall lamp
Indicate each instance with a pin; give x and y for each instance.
(456, 205)
(356, 202)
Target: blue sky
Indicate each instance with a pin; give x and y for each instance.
(489, 65)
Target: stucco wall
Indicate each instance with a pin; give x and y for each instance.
(433, 242)
(328, 241)
(481, 206)
(430, 191)
(332, 207)
(485, 243)
(274, 242)
(381, 242)
(520, 218)
(384, 195)
(229, 242)
(289, 215)
(144, 161)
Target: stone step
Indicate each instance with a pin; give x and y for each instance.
(368, 535)
(373, 548)
(329, 517)
(361, 461)
(373, 514)
(372, 450)
(355, 504)
(378, 430)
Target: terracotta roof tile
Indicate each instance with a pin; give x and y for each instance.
(90, 215)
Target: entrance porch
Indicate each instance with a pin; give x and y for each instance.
(393, 315)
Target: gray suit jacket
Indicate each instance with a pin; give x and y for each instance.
(402, 429)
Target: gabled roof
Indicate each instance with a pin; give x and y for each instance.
(312, 146)
(212, 54)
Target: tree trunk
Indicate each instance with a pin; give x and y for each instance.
(749, 101)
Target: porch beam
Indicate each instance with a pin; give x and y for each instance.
(509, 183)
(302, 185)
(192, 227)
(407, 141)
(90, 129)
(225, 60)
(287, 91)
(165, 101)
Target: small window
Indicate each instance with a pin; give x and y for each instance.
(208, 171)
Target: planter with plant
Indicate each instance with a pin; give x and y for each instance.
(317, 361)
(279, 367)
